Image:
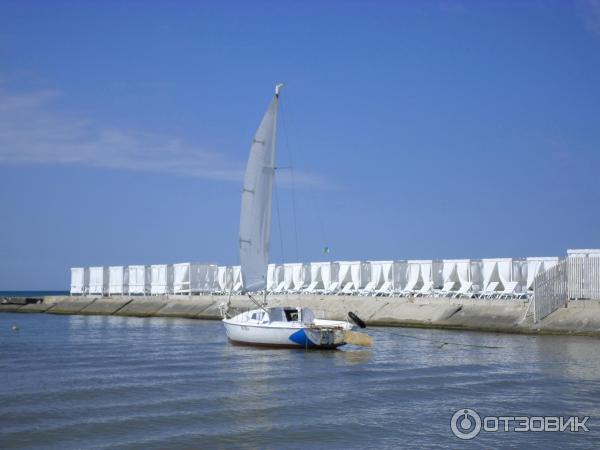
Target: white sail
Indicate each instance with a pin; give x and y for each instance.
(255, 216)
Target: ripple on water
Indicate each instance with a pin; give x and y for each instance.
(107, 382)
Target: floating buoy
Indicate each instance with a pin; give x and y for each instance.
(357, 320)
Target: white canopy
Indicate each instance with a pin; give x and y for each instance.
(161, 279)
(392, 274)
(288, 277)
(118, 280)
(224, 278)
(400, 274)
(236, 277)
(322, 274)
(461, 271)
(355, 272)
(420, 271)
(98, 280)
(210, 280)
(193, 278)
(296, 276)
(139, 279)
(501, 270)
(79, 280)
(380, 273)
(274, 276)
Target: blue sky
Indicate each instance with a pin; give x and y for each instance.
(415, 129)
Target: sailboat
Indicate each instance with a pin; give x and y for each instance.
(287, 326)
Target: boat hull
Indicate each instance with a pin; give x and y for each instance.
(287, 337)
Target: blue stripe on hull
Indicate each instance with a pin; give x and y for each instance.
(300, 338)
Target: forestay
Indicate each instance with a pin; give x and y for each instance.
(255, 216)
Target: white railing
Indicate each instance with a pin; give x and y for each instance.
(550, 291)
(584, 277)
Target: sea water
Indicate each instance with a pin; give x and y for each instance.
(112, 382)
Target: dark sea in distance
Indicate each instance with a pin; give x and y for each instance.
(31, 293)
(107, 382)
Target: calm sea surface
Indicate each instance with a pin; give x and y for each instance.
(112, 382)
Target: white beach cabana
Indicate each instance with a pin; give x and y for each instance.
(211, 282)
(400, 273)
(224, 279)
(502, 276)
(423, 275)
(161, 279)
(79, 280)
(98, 277)
(461, 273)
(352, 276)
(237, 281)
(296, 277)
(534, 266)
(384, 276)
(274, 277)
(322, 276)
(139, 280)
(583, 273)
(193, 278)
(380, 272)
(118, 280)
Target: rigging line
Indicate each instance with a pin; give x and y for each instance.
(435, 341)
(291, 156)
(278, 220)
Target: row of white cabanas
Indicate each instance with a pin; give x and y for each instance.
(449, 277)
(157, 279)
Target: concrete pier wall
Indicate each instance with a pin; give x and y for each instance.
(580, 317)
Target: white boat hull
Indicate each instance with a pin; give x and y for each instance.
(285, 335)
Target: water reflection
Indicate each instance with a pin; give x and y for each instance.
(104, 381)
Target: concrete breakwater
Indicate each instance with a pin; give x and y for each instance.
(502, 315)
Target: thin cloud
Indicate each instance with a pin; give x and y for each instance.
(591, 15)
(32, 132)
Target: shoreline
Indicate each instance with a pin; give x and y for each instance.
(580, 317)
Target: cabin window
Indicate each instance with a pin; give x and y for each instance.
(291, 315)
